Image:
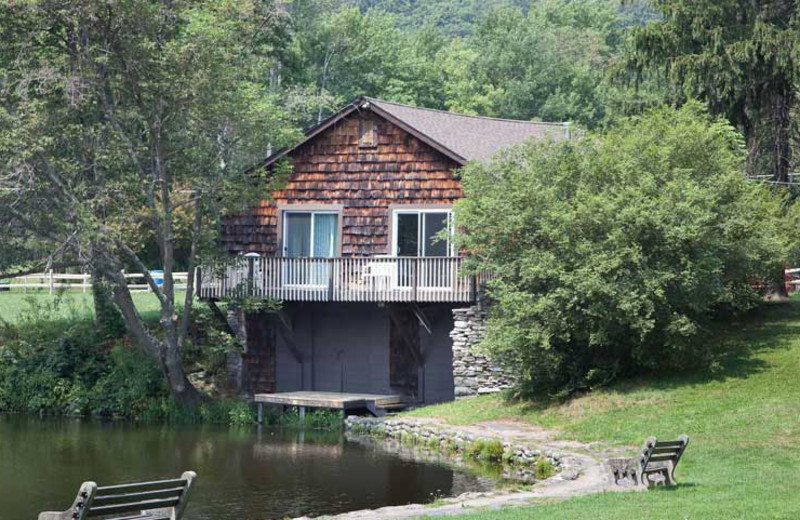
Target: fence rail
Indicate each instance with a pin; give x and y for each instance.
(55, 281)
(356, 279)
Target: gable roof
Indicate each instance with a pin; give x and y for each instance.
(461, 137)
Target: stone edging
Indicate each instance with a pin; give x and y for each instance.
(519, 459)
(581, 470)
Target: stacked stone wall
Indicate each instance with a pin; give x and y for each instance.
(473, 372)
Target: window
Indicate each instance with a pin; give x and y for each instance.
(422, 233)
(309, 234)
(312, 234)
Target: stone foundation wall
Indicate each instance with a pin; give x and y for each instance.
(473, 372)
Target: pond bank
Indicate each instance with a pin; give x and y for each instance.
(580, 468)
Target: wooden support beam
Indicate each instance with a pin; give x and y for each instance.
(222, 318)
(287, 333)
(423, 319)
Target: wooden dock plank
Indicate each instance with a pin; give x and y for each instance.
(332, 400)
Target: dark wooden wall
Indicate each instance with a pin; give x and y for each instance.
(333, 169)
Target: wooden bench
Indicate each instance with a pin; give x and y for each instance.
(159, 500)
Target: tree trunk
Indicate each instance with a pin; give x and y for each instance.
(166, 354)
(781, 129)
(183, 391)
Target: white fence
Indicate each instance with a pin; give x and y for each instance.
(81, 282)
(352, 279)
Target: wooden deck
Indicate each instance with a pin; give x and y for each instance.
(374, 403)
(350, 279)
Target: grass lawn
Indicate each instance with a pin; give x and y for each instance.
(15, 305)
(743, 461)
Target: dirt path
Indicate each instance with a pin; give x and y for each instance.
(586, 475)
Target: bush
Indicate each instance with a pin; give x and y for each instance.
(69, 366)
(543, 469)
(486, 450)
(617, 253)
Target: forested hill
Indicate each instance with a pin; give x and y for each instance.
(551, 60)
(458, 17)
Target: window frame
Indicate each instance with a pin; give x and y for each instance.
(419, 211)
(326, 209)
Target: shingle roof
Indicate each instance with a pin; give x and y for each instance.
(462, 137)
(473, 138)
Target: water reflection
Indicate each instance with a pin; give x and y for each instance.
(244, 474)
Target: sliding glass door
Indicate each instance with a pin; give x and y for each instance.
(309, 235)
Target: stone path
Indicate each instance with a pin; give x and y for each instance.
(587, 462)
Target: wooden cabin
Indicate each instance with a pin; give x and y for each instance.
(358, 247)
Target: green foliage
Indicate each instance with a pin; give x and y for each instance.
(209, 344)
(742, 58)
(68, 366)
(545, 59)
(615, 254)
(72, 368)
(487, 450)
(315, 419)
(109, 320)
(543, 469)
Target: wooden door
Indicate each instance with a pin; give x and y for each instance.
(404, 352)
(259, 357)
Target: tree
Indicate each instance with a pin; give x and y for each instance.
(116, 111)
(549, 64)
(742, 58)
(617, 253)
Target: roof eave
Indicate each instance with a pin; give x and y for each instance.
(313, 132)
(416, 133)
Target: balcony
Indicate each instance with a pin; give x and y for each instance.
(355, 279)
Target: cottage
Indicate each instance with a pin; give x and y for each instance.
(358, 247)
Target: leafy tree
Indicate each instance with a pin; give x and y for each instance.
(117, 112)
(743, 58)
(617, 252)
(549, 64)
(451, 17)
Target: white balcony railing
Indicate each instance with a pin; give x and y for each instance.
(356, 279)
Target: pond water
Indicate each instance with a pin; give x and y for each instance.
(243, 474)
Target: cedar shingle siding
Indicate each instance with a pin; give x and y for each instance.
(332, 168)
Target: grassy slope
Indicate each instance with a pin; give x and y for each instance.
(69, 304)
(744, 458)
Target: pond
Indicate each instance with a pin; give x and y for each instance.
(244, 474)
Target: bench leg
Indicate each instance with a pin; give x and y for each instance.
(302, 415)
(260, 413)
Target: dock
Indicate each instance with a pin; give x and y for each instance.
(376, 404)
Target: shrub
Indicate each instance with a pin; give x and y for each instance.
(618, 252)
(69, 366)
(486, 450)
(543, 469)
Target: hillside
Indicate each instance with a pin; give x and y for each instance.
(744, 423)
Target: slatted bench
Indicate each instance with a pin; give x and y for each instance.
(658, 460)
(654, 466)
(159, 500)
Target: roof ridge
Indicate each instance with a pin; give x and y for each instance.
(446, 112)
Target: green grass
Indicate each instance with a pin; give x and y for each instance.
(744, 422)
(64, 305)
